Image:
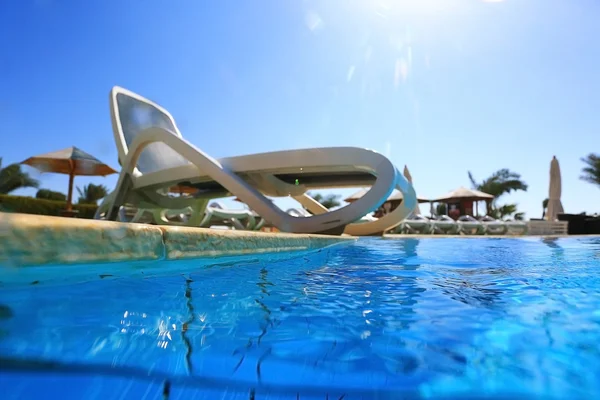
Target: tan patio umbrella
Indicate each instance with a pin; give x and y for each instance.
(182, 189)
(555, 206)
(71, 161)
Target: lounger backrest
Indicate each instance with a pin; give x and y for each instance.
(131, 114)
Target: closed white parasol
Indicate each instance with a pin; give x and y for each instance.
(555, 206)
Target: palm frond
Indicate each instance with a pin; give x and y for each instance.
(474, 183)
(591, 173)
(90, 194)
(501, 182)
(12, 177)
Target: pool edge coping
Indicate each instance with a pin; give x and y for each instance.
(448, 236)
(36, 240)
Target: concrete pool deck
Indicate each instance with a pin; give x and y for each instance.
(27, 240)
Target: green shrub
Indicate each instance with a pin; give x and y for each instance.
(30, 205)
(48, 194)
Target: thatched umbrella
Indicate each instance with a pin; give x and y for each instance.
(462, 194)
(396, 195)
(555, 206)
(71, 161)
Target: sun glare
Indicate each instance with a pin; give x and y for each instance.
(387, 8)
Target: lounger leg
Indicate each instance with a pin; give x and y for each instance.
(311, 204)
(103, 207)
(237, 224)
(198, 210)
(119, 196)
(251, 223)
(260, 224)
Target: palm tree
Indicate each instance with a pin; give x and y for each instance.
(91, 193)
(519, 216)
(500, 183)
(329, 201)
(506, 210)
(12, 177)
(545, 207)
(441, 209)
(591, 172)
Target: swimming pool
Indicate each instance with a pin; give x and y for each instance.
(377, 319)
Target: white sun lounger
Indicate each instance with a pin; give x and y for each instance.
(493, 226)
(445, 225)
(214, 214)
(417, 223)
(516, 227)
(470, 226)
(154, 156)
(217, 213)
(298, 212)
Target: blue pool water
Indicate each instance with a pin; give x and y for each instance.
(380, 319)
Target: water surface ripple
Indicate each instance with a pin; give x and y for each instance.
(430, 318)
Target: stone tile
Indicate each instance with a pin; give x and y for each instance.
(186, 242)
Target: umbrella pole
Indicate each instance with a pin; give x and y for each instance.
(70, 193)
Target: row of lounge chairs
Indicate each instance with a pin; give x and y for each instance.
(217, 215)
(466, 225)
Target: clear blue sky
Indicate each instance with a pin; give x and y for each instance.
(444, 86)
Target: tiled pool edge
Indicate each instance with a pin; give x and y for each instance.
(27, 240)
(448, 236)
